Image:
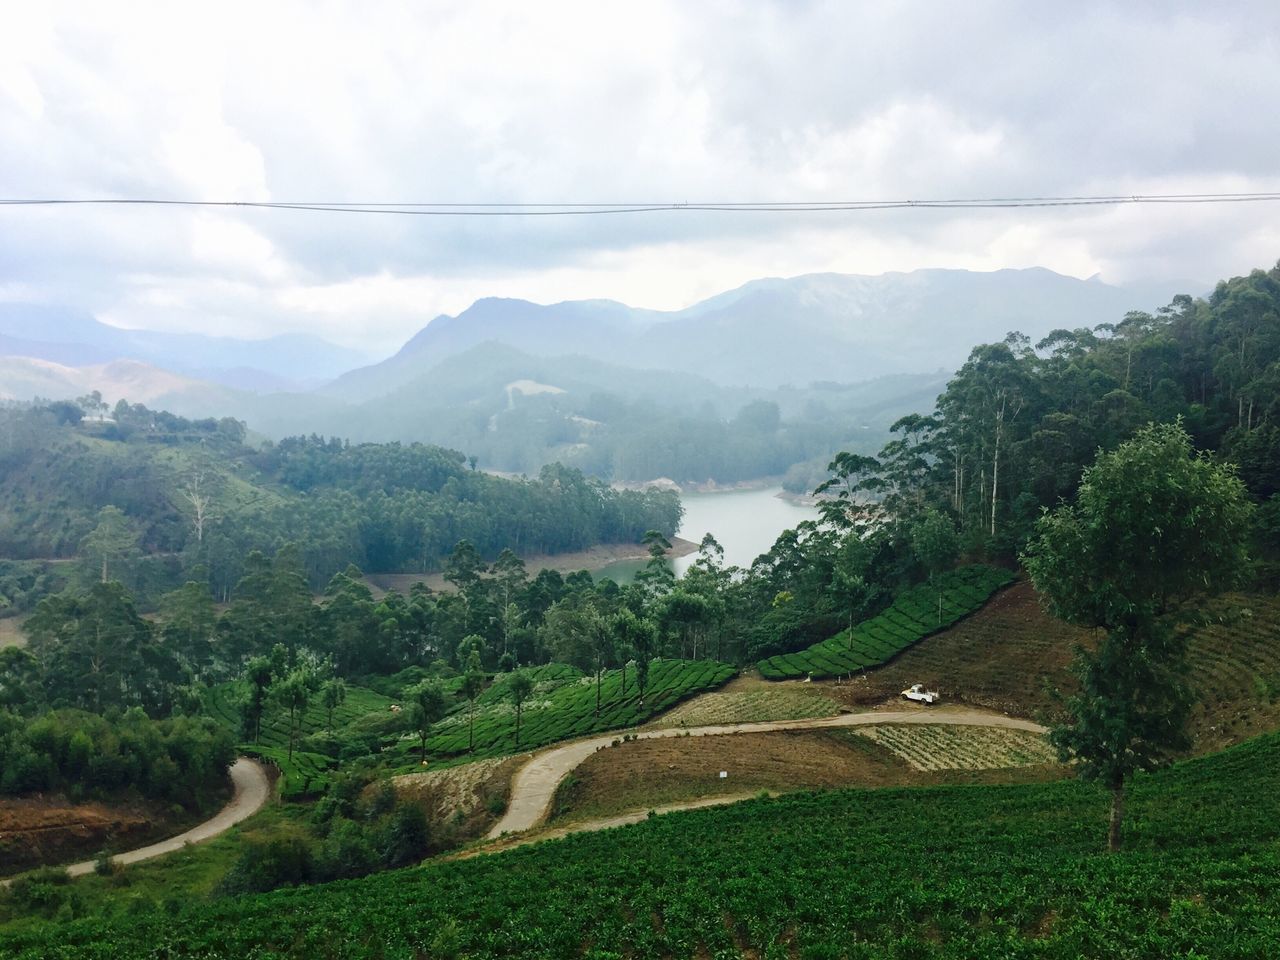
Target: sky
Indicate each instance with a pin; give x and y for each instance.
(611, 102)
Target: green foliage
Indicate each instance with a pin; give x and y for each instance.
(1153, 533)
(562, 705)
(911, 617)
(183, 760)
(970, 871)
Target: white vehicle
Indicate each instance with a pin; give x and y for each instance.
(918, 693)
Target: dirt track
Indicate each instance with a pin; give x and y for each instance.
(535, 783)
(252, 788)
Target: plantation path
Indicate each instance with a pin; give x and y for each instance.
(535, 783)
(252, 788)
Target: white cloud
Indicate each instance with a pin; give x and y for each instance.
(610, 102)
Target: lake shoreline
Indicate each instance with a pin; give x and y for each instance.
(592, 559)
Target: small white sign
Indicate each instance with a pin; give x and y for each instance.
(723, 774)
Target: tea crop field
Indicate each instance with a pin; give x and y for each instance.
(952, 871)
(564, 707)
(941, 747)
(914, 614)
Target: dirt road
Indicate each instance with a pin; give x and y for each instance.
(535, 783)
(252, 788)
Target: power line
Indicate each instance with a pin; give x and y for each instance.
(492, 209)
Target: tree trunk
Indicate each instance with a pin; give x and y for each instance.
(423, 756)
(995, 468)
(471, 729)
(1114, 834)
(517, 726)
(624, 674)
(291, 711)
(597, 691)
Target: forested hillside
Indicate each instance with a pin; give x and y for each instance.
(198, 495)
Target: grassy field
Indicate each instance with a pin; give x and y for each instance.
(914, 614)
(969, 871)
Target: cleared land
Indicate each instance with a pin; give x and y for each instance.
(751, 700)
(1012, 657)
(11, 634)
(461, 802)
(660, 773)
(1005, 657)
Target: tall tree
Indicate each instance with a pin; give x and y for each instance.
(112, 542)
(427, 704)
(293, 694)
(472, 686)
(1154, 531)
(333, 694)
(935, 544)
(520, 687)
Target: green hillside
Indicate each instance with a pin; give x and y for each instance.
(914, 614)
(938, 872)
(564, 707)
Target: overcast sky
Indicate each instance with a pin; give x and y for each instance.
(604, 102)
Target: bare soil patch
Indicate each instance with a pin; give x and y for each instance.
(656, 773)
(1006, 657)
(40, 831)
(461, 802)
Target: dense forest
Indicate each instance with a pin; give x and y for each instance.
(160, 498)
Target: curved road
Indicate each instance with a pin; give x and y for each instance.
(252, 788)
(535, 783)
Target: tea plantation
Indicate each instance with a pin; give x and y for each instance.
(563, 705)
(966, 871)
(913, 615)
(308, 772)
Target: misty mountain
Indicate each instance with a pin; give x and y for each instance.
(74, 338)
(832, 327)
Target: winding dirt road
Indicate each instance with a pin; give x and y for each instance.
(252, 788)
(535, 783)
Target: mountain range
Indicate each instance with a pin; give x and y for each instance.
(594, 383)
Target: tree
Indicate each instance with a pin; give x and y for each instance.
(332, 695)
(472, 685)
(657, 577)
(1154, 531)
(520, 687)
(935, 544)
(427, 704)
(258, 673)
(293, 693)
(112, 541)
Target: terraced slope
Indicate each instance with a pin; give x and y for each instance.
(1011, 656)
(566, 707)
(914, 614)
(308, 772)
(973, 871)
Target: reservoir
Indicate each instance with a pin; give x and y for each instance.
(746, 522)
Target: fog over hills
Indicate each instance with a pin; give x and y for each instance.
(746, 383)
(771, 332)
(74, 338)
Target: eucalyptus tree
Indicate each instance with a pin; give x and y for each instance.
(520, 687)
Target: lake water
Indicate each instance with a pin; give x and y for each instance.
(746, 522)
